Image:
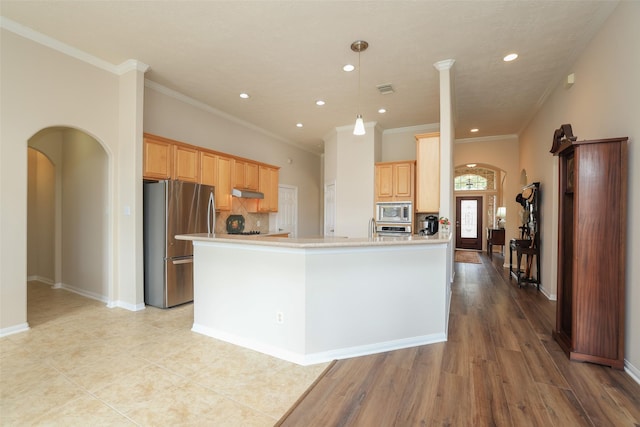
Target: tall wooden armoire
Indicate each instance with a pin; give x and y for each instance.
(591, 249)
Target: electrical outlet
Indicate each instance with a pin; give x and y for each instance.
(279, 317)
(258, 223)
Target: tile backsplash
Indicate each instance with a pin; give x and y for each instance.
(239, 207)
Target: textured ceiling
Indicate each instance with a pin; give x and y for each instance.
(287, 54)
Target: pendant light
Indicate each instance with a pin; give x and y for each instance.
(359, 46)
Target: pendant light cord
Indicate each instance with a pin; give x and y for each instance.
(358, 82)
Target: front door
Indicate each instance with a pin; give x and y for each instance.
(469, 222)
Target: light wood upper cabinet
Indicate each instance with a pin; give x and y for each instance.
(186, 163)
(394, 181)
(384, 181)
(246, 175)
(216, 170)
(269, 187)
(208, 168)
(274, 175)
(223, 184)
(164, 158)
(428, 172)
(157, 158)
(403, 179)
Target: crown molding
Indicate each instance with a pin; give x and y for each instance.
(445, 64)
(71, 51)
(431, 127)
(131, 65)
(492, 138)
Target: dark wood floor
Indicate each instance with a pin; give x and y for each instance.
(499, 367)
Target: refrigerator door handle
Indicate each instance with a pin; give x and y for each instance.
(182, 261)
(211, 214)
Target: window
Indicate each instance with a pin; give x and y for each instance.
(470, 182)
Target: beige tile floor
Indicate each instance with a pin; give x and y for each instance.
(84, 364)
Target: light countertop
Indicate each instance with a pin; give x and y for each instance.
(317, 242)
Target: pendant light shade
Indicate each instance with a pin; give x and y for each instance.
(359, 46)
(359, 127)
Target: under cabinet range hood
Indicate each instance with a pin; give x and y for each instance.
(247, 194)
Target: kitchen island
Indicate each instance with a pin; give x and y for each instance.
(315, 300)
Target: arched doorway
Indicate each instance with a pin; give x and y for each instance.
(478, 191)
(68, 232)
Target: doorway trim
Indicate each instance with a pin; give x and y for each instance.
(277, 216)
(110, 217)
(474, 244)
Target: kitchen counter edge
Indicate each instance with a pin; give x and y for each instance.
(319, 242)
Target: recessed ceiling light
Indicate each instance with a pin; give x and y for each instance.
(320, 102)
(510, 57)
(244, 95)
(474, 130)
(382, 110)
(348, 68)
(299, 125)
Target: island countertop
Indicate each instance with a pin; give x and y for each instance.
(318, 242)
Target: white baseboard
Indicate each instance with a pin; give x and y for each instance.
(42, 279)
(126, 305)
(319, 357)
(633, 371)
(15, 329)
(550, 297)
(83, 292)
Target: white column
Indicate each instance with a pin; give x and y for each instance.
(447, 136)
(447, 208)
(128, 247)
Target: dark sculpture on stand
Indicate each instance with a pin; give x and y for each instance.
(529, 242)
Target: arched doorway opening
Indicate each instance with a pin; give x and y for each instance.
(478, 191)
(68, 232)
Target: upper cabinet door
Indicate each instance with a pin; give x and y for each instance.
(428, 173)
(403, 177)
(384, 181)
(223, 184)
(394, 181)
(269, 187)
(157, 156)
(208, 168)
(246, 175)
(187, 164)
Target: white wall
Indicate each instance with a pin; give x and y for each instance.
(42, 88)
(41, 216)
(400, 144)
(174, 116)
(604, 102)
(84, 215)
(349, 161)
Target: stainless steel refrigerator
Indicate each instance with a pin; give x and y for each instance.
(171, 208)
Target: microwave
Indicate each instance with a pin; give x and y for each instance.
(394, 212)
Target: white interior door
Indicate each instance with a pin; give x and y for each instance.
(286, 220)
(330, 209)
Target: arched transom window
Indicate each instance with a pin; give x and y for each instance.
(474, 179)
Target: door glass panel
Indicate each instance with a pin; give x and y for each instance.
(469, 219)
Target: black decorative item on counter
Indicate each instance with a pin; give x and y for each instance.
(235, 224)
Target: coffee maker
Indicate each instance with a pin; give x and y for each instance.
(429, 226)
